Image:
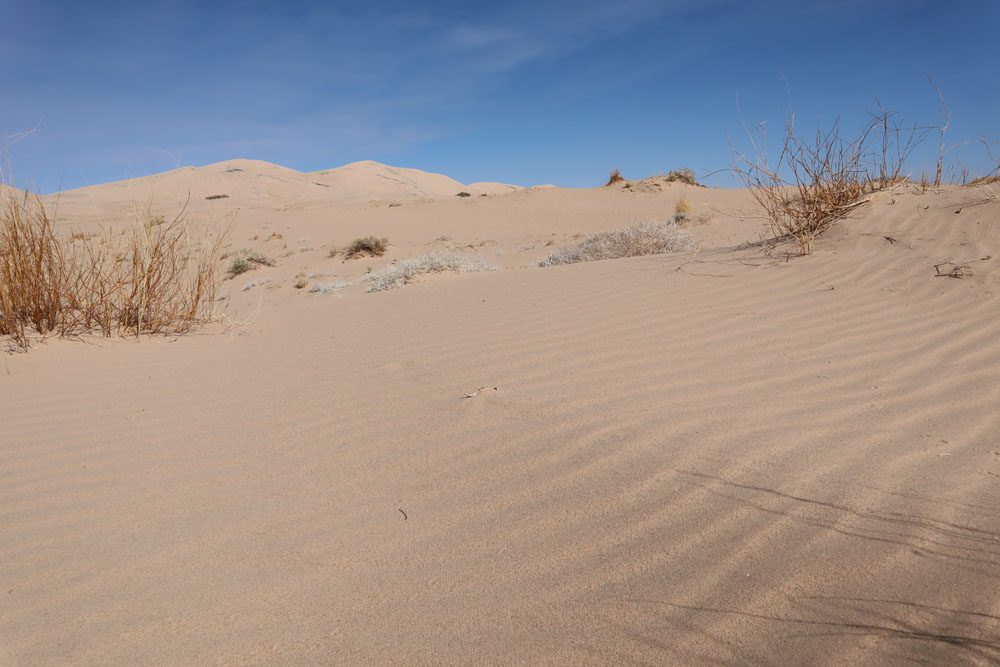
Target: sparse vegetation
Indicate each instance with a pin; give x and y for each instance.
(463, 194)
(684, 175)
(326, 288)
(210, 197)
(614, 177)
(645, 238)
(147, 278)
(814, 182)
(399, 274)
(246, 260)
(369, 246)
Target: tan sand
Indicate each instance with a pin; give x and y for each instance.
(719, 457)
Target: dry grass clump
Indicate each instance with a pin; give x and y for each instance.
(682, 207)
(246, 260)
(148, 278)
(369, 246)
(644, 238)
(614, 177)
(816, 181)
(684, 175)
(397, 275)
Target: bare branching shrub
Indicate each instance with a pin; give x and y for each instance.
(645, 238)
(814, 182)
(397, 275)
(246, 260)
(369, 246)
(152, 277)
(614, 177)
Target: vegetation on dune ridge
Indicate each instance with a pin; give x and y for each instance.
(154, 276)
(684, 175)
(614, 177)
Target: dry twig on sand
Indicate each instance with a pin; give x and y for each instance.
(957, 270)
(476, 392)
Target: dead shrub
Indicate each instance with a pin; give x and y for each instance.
(614, 177)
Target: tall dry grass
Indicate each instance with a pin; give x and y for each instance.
(815, 181)
(154, 276)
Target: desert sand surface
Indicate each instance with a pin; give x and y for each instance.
(722, 456)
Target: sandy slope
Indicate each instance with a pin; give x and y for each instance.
(721, 457)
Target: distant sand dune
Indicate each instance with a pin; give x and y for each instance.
(256, 182)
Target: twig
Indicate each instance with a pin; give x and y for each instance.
(467, 395)
(959, 271)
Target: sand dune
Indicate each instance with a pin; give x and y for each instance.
(240, 183)
(369, 179)
(720, 457)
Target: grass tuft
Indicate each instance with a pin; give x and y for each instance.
(682, 208)
(614, 177)
(369, 246)
(246, 260)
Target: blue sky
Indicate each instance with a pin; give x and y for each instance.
(545, 91)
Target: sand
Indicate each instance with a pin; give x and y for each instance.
(719, 457)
